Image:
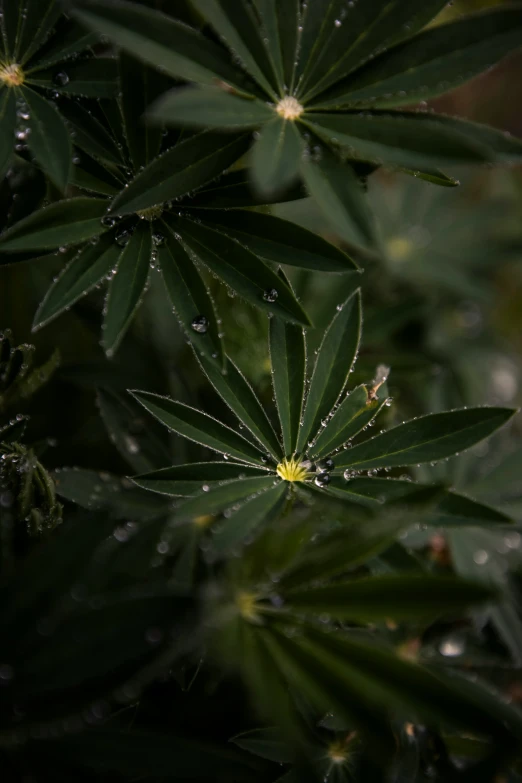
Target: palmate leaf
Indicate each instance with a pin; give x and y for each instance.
(187, 480)
(288, 359)
(414, 597)
(49, 140)
(332, 367)
(237, 393)
(209, 107)
(354, 413)
(339, 195)
(276, 155)
(126, 287)
(71, 221)
(198, 426)
(85, 271)
(96, 78)
(431, 62)
(240, 269)
(183, 168)
(160, 40)
(279, 240)
(246, 521)
(453, 510)
(137, 441)
(189, 296)
(226, 494)
(339, 38)
(425, 439)
(384, 681)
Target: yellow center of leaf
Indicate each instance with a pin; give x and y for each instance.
(248, 607)
(289, 108)
(151, 213)
(293, 470)
(12, 75)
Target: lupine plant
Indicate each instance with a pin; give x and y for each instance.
(296, 580)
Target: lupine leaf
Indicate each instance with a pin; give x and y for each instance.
(68, 39)
(181, 169)
(426, 439)
(389, 682)
(140, 85)
(453, 510)
(189, 296)
(235, 390)
(241, 270)
(136, 440)
(432, 62)
(267, 743)
(187, 480)
(126, 287)
(340, 197)
(332, 367)
(96, 78)
(7, 127)
(198, 426)
(86, 269)
(280, 240)
(276, 155)
(235, 23)
(413, 139)
(89, 134)
(288, 360)
(244, 523)
(224, 495)
(65, 222)
(49, 140)
(160, 40)
(354, 413)
(90, 174)
(349, 35)
(329, 687)
(209, 107)
(234, 189)
(423, 598)
(106, 492)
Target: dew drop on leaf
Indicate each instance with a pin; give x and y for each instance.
(200, 324)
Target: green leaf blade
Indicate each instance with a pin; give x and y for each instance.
(199, 427)
(403, 598)
(80, 276)
(276, 156)
(183, 168)
(187, 480)
(209, 107)
(288, 360)
(225, 495)
(65, 222)
(49, 140)
(333, 366)
(426, 439)
(126, 287)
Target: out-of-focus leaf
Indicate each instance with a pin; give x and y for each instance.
(208, 107)
(242, 524)
(7, 128)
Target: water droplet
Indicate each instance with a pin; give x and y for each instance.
(270, 295)
(326, 464)
(108, 221)
(60, 79)
(123, 237)
(451, 647)
(322, 479)
(200, 324)
(481, 557)
(158, 239)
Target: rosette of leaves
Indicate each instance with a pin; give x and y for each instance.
(158, 203)
(320, 82)
(314, 451)
(44, 53)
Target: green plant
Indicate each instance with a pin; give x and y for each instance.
(312, 583)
